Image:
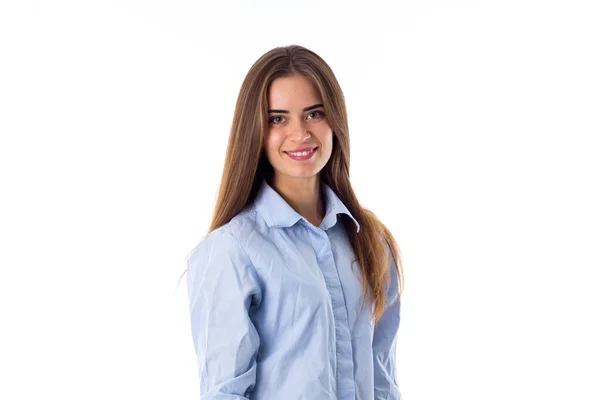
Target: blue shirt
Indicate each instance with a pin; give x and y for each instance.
(274, 307)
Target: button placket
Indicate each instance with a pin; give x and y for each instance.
(326, 261)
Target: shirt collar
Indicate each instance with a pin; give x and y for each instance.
(278, 213)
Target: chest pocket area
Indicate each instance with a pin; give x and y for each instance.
(294, 283)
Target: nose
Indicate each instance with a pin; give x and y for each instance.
(298, 133)
(301, 137)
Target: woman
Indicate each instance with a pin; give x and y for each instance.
(277, 287)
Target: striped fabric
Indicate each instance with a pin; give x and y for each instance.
(274, 304)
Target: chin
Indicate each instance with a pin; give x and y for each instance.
(297, 175)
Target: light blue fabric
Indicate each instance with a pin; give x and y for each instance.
(274, 306)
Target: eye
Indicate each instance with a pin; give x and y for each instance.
(272, 120)
(320, 114)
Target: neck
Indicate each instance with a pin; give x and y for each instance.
(303, 195)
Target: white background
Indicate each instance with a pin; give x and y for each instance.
(474, 131)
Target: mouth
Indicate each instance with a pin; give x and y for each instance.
(301, 156)
(298, 153)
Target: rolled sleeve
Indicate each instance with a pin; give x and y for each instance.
(384, 343)
(222, 289)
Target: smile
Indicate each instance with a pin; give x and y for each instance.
(302, 156)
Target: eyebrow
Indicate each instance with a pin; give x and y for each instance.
(306, 109)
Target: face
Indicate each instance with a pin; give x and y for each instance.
(296, 120)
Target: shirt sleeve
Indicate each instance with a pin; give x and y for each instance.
(384, 343)
(222, 289)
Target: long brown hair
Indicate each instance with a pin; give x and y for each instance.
(246, 164)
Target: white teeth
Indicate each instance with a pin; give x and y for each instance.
(302, 153)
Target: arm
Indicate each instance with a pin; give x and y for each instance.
(384, 343)
(222, 286)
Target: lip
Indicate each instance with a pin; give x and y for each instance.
(303, 158)
(302, 149)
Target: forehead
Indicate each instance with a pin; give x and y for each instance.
(292, 92)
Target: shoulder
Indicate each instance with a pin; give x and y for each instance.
(220, 264)
(231, 238)
(245, 224)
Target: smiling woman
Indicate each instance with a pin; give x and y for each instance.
(277, 287)
(298, 140)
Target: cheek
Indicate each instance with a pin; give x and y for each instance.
(326, 137)
(272, 142)
(324, 131)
